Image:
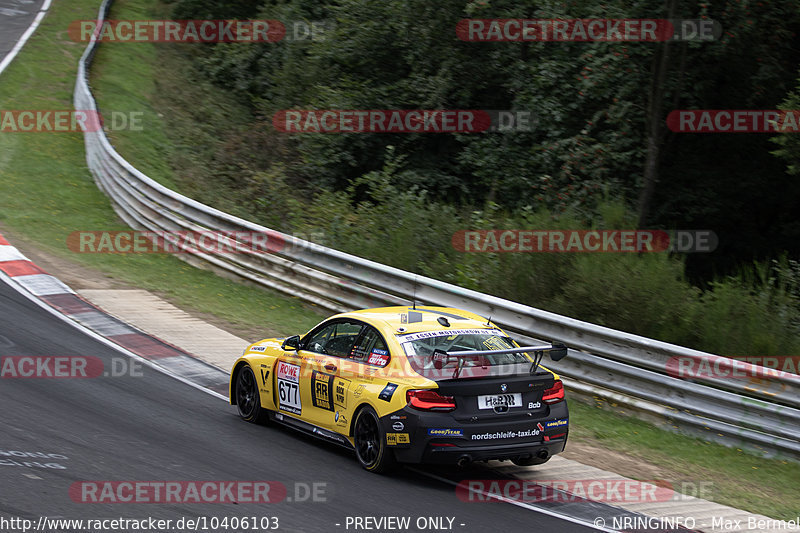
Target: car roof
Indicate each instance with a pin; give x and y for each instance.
(418, 318)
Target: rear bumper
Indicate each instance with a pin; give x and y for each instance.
(449, 455)
(438, 438)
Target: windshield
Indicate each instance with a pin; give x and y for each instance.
(419, 349)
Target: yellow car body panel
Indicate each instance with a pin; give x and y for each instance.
(337, 394)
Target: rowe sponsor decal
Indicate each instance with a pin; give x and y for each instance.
(566, 490)
(289, 388)
(177, 492)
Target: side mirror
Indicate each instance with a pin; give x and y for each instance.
(291, 343)
(558, 352)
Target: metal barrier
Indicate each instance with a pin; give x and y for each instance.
(758, 412)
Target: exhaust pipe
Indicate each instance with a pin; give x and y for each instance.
(543, 454)
(464, 460)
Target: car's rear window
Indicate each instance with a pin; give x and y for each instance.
(419, 348)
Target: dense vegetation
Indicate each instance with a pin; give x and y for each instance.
(600, 154)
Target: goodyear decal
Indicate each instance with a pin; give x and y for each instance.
(445, 432)
(556, 423)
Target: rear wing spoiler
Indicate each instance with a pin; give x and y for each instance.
(556, 351)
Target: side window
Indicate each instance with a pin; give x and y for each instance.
(334, 339)
(371, 348)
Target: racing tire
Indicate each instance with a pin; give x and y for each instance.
(370, 443)
(248, 400)
(531, 461)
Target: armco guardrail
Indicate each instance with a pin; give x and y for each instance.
(757, 412)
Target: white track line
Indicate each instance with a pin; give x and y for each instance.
(524, 505)
(20, 289)
(25, 36)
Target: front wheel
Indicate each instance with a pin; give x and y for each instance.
(370, 443)
(247, 397)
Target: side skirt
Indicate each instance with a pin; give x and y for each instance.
(310, 429)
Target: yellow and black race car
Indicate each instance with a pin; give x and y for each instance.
(411, 385)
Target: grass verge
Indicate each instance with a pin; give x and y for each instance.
(738, 479)
(47, 193)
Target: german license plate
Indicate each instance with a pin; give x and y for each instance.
(490, 401)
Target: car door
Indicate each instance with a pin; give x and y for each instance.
(362, 370)
(324, 354)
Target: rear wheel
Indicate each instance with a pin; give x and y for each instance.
(370, 443)
(247, 397)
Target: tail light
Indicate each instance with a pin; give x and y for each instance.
(555, 393)
(430, 400)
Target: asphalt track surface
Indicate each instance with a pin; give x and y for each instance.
(145, 426)
(152, 427)
(15, 17)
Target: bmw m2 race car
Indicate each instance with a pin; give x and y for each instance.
(409, 385)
